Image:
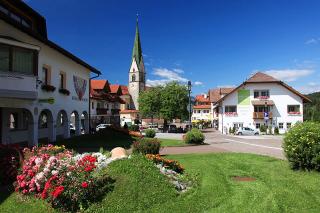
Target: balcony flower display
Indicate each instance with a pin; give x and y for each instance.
(263, 97)
(294, 113)
(48, 88)
(64, 91)
(231, 113)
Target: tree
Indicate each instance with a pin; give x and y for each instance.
(168, 102)
(312, 110)
(150, 103)
(174, 101)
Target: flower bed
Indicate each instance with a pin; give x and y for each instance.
(66, 180)
(173, 170)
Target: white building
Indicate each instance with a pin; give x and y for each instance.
(201, 109)
(42, 86)
(261, 100)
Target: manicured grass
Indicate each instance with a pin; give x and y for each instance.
(139, 187)
(172, 142)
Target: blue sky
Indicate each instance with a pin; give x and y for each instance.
(212, 43)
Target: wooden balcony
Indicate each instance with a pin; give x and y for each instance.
(260, 115)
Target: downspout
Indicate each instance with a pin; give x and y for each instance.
(90, 101)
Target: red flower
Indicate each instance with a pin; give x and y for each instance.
(57, 191)
(84, 185)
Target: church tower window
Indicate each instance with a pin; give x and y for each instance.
(133, 79)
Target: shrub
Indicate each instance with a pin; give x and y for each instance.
(276, 130)
(147, 146)
(169, 164)
(134, 128)
(150, 133)
(302, 146)
(263, 128)
(10, 161)
(195, 136)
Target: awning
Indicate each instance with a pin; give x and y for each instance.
(263, 102)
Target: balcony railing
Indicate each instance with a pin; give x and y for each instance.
(102, 111)
(260, 115)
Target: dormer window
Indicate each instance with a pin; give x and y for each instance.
(261, 94)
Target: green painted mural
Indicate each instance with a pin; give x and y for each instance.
(243, 97)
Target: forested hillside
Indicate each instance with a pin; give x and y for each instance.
(312, 110)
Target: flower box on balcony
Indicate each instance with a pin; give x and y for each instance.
(48, 88)
(294, 113)
(64, 91)
(231, 113)
(263, 97)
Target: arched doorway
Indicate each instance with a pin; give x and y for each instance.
(62, 125)
(46, 128)
(85, 122)
(75, 127)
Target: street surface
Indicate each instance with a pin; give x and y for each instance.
(216, 142)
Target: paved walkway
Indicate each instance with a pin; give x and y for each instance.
(262, 145)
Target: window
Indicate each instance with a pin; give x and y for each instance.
(98, 105)
(133, 78)
(16, 59)
(61, 119)
(261, 109)
(16, 17)
(280, 125)
(262, 94)
(257, 125)
(230, 108)
(288, 125)
(294, 109)
(92, 105)
(45, 75)
(13, 122)
(62, 80)
(43, 120)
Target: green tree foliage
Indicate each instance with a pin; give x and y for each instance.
(150, 102)
(312, 110)
(168, 102)
(174, 101)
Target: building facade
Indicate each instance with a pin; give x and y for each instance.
(261, 100)
(202, 109)
(42, 86)
(105, 103)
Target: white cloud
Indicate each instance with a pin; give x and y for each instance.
(154, 83)
(180, 71)
(309, 88)
(289, 75)
(198, 83)
(313, 41)
(169, 75)
(226, 86)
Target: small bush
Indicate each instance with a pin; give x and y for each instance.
(302, 146)
(195, 136)
(134, 128)
(270, 130)
(276, 130)
(169, 164)
(263, 128)
(10, 161)
(146, 146)
(150, 133)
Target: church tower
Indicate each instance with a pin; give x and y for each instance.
(136, 72)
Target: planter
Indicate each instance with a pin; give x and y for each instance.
(64, 91)
(48, 88)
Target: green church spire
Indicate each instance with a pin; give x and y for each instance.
(137, 51)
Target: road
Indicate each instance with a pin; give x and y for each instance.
(216, 142)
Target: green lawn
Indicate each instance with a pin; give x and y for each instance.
(139, 187)
(172, 142)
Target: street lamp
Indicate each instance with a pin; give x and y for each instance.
(189, 90)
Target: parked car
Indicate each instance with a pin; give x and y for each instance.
(172, 128)
(247, 131)
(102, 126)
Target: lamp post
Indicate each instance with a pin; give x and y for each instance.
(189, 90)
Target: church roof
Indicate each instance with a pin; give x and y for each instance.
(137, 50)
